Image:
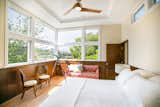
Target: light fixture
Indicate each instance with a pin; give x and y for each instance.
(78, 8)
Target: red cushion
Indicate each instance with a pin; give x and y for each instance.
(89, 71)
(84, 74)
(90, 68)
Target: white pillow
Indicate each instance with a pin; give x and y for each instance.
(124, 76)
(75, 67)
(144, 73)
(144, 91)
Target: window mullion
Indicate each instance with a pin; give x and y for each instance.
(32, 41)
(83, 44)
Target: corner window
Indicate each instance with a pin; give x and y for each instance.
(42, 42)
(139, 13)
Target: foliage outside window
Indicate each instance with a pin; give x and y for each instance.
(24, 42)
(18, 23)
(91, 52)
(43, 32)
(91, 35)
(70, 52)
(43, 51)
(17, 51)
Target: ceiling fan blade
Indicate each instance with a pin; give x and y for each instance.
(90, 10)
(75, 5)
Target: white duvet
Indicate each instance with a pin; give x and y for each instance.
(78, 92)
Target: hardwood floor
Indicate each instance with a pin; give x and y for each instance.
(30, 100)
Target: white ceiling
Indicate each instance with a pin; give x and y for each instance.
(113, 11)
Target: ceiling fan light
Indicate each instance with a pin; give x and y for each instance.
(78, 8)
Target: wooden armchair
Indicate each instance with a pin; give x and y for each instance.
(42, 74)
(27, 84)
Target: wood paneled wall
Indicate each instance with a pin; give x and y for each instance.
(10, 82)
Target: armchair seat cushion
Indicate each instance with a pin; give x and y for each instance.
(30, 83)
(44, 76)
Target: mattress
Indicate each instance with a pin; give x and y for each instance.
(81, 92)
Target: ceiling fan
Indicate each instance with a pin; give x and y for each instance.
(78, 6)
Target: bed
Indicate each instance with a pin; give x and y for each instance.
(83, 92)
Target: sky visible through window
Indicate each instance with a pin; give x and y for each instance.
(68, 36)
(139, 13)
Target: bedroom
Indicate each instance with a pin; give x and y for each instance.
(36, 33)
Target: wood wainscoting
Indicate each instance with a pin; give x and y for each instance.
(10, 82)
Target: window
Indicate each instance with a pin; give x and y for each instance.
(71, 45)
(139, 13)
(18, 27)
(70, 52)
(91, 52)
(18, 23)
(43, 32)
(92, 35)
(42, 41)
(43, 51)
(73, 36)
(91, 44)
(17, 51)
(156, 1)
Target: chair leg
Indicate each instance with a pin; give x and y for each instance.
(34, 89)
(41, 84)
(49, 81)
(22, 94)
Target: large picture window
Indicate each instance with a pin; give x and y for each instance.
(31, 39)
(75, 45)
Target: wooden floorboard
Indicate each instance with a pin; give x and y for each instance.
(30, 100)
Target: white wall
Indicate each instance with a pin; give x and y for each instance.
(109, 34)
(2, 32)
(144, 40)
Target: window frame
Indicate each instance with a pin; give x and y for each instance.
(141, 6)
(30, 38)
(84, 43)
